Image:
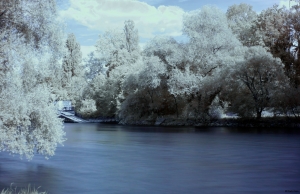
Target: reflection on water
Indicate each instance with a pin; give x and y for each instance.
(116, 159)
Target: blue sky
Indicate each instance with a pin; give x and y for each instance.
(89, 18)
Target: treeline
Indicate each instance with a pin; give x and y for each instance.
(239, 62)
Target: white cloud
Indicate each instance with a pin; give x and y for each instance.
(87, 50)
(104, 15)
(142, 45)
(287, 3)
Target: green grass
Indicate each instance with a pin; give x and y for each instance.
(27, 190)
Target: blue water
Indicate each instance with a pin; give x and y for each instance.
(108, 159)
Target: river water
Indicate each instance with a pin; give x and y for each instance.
(99, 158)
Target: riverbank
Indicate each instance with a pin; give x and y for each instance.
(269, 122)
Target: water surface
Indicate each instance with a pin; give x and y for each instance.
(99, 158)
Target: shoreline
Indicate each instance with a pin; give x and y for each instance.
(267, 122)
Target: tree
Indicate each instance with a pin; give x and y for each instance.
(295, 42)
(279, 28)
(241, 20)
(30, 48)
(120, 53)
(131, 37)
(256, 82)
(119, 48)
(88, 107)
(103, 91)
(73, 80)
(94, 66)
(210, 51)
(142, 89)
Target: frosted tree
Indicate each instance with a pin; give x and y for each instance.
(209, 39)
(88, 107)
(209, 54)
(94, 66)
(277, 26)
(131, 37)
(119, 51)
(294, 40)
(142, 89)
(73, 80)
(30, 48)
(256, 82)
(173, 59)
(241, 20)
(168, 50)
(119, 48)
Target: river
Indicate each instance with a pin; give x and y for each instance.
(111, 159)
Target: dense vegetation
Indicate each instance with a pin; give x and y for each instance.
(239, 62)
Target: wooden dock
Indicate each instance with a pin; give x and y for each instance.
(69, 117)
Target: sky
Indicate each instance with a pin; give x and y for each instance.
(87, 19)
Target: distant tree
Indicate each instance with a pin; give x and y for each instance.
(143, 90)
(73, 80)
(120, 52)
(256, 82)
(210, 51)
(295, 43)
(119, 48)
(241, 20)
(279, 28)
(88, 107)
(94, 66)
(131, 36)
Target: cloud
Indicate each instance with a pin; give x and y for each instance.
(287, 3)
(87, 50)
(104, 15)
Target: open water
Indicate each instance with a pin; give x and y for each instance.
(114, 159)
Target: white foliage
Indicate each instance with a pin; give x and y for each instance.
(119, 48)
(30, 49)
(88, 106)
(120, 53)
(167, 49)
(29, 121)
(152, 72)
(241, 19)
(186, 82)
(73, 81)
(210, 39)
(257, 81)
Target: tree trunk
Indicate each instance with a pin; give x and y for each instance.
(176, 105)
(258, 114)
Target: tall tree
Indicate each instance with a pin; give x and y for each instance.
(73, 73)
(280, 33)
(94, 66)
(119, 48)
(241, 19)
(255, 82)
(120, 52)
(210, 51)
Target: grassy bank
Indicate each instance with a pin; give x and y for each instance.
(266, 122)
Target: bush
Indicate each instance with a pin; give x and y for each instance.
(27, 190)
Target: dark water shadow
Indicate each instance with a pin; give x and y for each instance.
(262, 130)
(21, 173)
